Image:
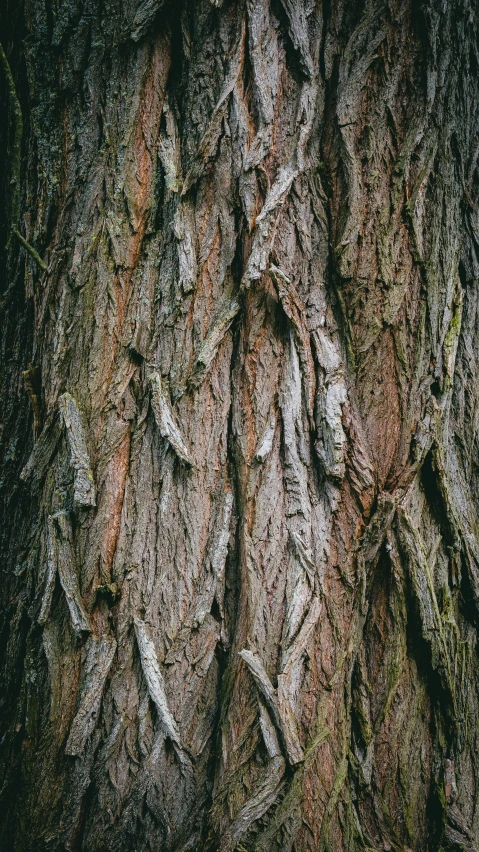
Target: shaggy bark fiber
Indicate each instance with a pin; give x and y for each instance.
(240, 406)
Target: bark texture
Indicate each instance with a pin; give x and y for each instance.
(240, 412)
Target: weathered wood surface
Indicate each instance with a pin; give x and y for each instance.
(240, 396)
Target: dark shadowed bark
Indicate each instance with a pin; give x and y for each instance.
(240, 411)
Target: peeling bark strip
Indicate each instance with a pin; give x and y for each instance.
(332, 396)
(144, 16)
(165, 419)
(265, 226)
(50, 574)
(99, 657)
(211, 586)
(292, 656)
(279, 709)
(209, 142)
(268, 731)
(155, 683)
(84, 487)
(265, 793)
(262, 231)
(295, 311)
(298, 30)
(41, 456)
(61, 550)
(265, 444)
(210, 345)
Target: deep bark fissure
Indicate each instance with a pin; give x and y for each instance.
(240, 558)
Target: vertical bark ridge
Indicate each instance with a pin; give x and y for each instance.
(240, 560)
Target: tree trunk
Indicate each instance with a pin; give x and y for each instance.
(240, 393)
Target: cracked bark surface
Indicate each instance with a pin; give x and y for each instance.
(239, 489)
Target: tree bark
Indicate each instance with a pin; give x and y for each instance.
(240, 396)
